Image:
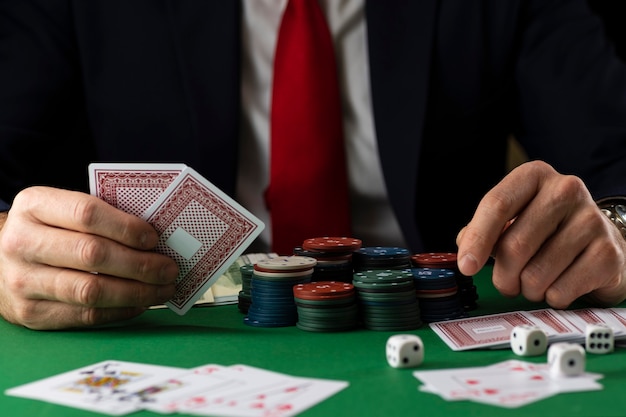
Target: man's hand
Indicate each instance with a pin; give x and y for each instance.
(549, 240)
(68, 259)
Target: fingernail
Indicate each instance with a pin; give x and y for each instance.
(468, 264)
(143, 239)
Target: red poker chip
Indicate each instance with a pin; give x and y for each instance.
(332, 244)
(324, 297)
(436, 293)
(434, 259)
(323, 289)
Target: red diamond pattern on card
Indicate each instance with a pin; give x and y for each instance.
(211, 220)
(132, 192)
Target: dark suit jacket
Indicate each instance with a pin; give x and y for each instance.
(158, 80)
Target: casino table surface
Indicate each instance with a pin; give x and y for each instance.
(218, 335)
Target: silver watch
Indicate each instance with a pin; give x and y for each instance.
(615, 210)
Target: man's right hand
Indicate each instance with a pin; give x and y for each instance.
(69, 259)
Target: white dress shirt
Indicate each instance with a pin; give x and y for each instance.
(373, 220)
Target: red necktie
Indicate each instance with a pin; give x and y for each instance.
(308, 191)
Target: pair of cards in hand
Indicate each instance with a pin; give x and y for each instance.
(200, 227)
(118, 388)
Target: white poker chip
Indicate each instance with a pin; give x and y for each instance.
(283, 274)
(286, 263)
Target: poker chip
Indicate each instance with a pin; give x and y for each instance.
(264, 273)
(326, 306)
(332, 244)
(437, 291)
(387, 299)
(244, 299)
(383, 276)
(323, 289)
(381, 257)
(467, 291)
(285, 263)
(435, 260)
(333, 255)
(272, 303)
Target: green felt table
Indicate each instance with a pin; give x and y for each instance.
(218, 335)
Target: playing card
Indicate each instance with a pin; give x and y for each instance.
(483, 331)
(203, 230)
(132, 188)
(508, 384)
(109, 387)
(494, 331)
(580, 318)
(554, 324)
(259, 393)
(165, 396)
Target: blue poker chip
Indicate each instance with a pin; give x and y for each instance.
(381, 257)
(276, 285)
(379, 252)
(432, 273)
(263, 323)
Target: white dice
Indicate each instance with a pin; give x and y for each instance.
(404, 351)
(599, 338)
(566, 359)
(528, 340)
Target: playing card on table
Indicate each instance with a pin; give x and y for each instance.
(256, 392)
(580, 318)
(509, 384)
(494, 331)
(132, 188)
(203, 230)
(109, 387)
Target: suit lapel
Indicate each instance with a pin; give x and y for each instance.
(400, 36)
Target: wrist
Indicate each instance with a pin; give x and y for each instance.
(615, 209)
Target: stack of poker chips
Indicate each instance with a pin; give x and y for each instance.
(447, 260)
(326, 306)
(333, 255)
(387, 299)
(381, 257)
(438, 295)
(245, 297)
(271, 289)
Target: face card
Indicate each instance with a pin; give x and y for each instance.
(105, 387)
(132, 188)
(203, 230)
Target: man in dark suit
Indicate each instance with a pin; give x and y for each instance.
(159, 80)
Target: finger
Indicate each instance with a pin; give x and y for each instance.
(52, 315)
(557, 253)
(598, 270)
(84, 213)
(496, 209)
(88, 289)
(540, 230)
(91, 253)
